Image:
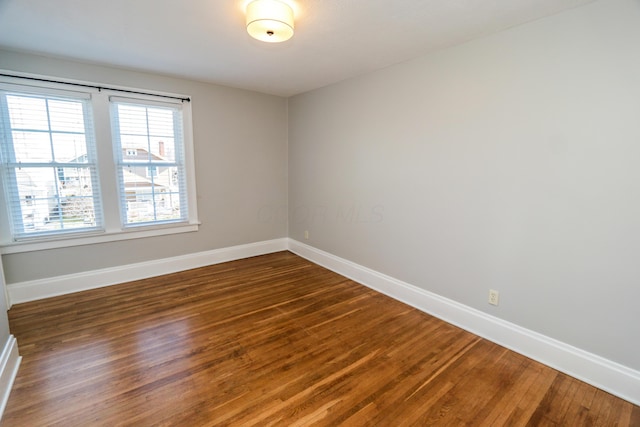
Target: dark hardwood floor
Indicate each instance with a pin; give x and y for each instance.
(275, 341)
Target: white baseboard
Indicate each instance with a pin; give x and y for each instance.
(44, 288)
(9, 363)
(607, 375)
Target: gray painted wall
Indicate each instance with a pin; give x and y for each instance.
(510, 163)
(240, 140)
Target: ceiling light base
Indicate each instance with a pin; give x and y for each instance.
(270, 21)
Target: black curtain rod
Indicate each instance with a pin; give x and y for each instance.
(95, 87)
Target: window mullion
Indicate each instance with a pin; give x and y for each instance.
(50, 131)
(105, 162)
(92, 160)
(153, 187)
(58, 199)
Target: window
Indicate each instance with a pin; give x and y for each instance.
(149, 190)
(67, 181)
(49, 164)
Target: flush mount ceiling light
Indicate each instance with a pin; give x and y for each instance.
(270, 20)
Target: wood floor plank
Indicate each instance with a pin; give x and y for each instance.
(270, 341)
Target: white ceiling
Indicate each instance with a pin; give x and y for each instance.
(206, 39)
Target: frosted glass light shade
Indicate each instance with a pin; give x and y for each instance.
(270, 20)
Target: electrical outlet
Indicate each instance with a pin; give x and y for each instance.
(494, 297)
(306, 234)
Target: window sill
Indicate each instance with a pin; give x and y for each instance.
(90, 239)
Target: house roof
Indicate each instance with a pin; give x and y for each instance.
(132, 180)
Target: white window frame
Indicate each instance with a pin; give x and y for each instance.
(90, 165)
(178, 162)
(114, 229)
